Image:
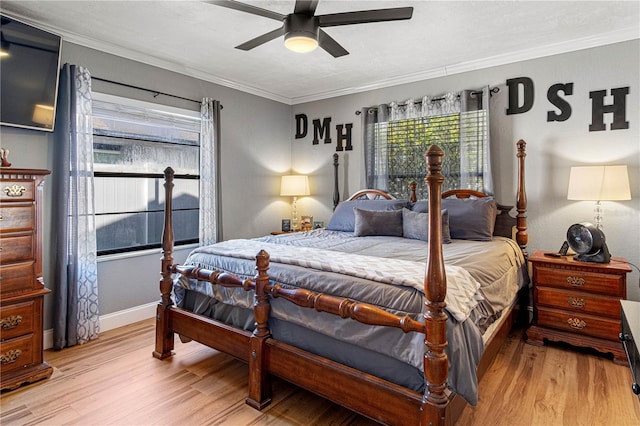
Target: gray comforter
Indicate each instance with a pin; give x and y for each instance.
(384, 271)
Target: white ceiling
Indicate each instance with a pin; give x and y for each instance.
(443, 37)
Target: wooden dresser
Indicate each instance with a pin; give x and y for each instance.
(578, 302)
(21, 286)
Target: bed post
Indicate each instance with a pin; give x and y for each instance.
(164, 337)
(336, 191)
(259, 382)
(522, 237)
(436, 364)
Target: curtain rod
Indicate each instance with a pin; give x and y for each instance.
(155, 92)
(478, 92)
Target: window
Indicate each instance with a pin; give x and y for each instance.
(396, 153)
(408, 140)
(133, 143)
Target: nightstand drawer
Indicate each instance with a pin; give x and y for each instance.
(608, 284)
(17, 278)
(17, 353)
(15, 249)
(16, 320)
(579, 302)
(17, 190)
(14, 219)
(579, 323)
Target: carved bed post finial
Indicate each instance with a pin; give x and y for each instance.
(336, 191)
(413, 198)
(436, 363)
(164, 337)
(522, 237)
(259, 383)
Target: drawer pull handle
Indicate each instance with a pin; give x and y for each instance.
(14, 190)
(10, 322)
(575, 281)
(576, 323)
(10, 357)
(576, 302)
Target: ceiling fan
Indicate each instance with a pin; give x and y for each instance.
(302, 29)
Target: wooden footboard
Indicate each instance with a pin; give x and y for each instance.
(373, 397)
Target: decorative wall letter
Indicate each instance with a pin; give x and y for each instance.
(555, 99)
(301, 126)
(346, 136)
(527, 87)
(618, 109)
(321, 130)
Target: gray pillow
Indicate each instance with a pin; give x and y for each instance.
(471, 218)
(343, 218)
(383, 222)
(415, 225)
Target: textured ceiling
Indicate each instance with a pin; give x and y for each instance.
(443, 37)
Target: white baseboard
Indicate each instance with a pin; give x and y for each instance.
(114, 320)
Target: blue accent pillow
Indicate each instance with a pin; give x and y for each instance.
(382, 222)
(415, 225)
(344, 219)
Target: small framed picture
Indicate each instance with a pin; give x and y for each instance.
(318, 224)
(286, 225)
(306, 223)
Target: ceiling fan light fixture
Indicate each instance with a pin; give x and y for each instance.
(301, 33)
(300, 43)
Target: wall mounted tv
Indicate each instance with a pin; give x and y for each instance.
(29, 69)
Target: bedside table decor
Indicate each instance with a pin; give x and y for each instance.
(588, 242)
(578, 302)
(599, 183)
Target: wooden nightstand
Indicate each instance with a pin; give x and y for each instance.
(578, 302)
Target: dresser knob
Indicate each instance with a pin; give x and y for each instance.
(576, 323)
(575, 281)
(635, 388)
(12, 321)
(10, 357)
(576, 302)
(14, 190)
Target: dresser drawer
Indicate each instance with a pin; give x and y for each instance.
(17, 353)
(592, 282)
(16, 218)
(17, 320)
(17, 278)
(579, 302)
(578, 323)
(16, 248)
(17, 190)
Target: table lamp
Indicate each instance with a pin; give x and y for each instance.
(294, 186)
(599, 183)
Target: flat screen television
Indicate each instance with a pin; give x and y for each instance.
(29, 70)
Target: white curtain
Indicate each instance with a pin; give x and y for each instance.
(76, 315)
(210, 214)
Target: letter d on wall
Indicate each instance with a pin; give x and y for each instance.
(301, 126)
(514, 85)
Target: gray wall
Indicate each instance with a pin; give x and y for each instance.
(552, 147)
(256, 151)
(259, 146)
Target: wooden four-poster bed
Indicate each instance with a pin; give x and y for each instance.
(288, 298)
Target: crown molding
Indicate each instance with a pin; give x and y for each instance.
(615, 36)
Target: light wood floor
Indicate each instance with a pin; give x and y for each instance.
(115, 381)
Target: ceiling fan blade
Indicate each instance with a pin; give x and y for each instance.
(365, 16)
(330, 45)
(261, 39)
(308, 7)
(243, 7)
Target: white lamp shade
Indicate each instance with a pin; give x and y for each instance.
(294, 186)
(599, 183)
